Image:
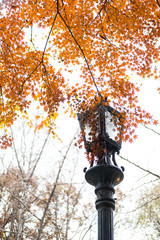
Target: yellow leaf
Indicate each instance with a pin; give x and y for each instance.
(55, 116)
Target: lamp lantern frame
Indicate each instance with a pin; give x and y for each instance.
(102, 131)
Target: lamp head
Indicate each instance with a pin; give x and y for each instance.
(102, 128)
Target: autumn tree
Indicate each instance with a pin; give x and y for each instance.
(141, 219)
(148, 213)
(22, 206)
(37, 204)
(138, 215)
(105, 39)
(17, 199)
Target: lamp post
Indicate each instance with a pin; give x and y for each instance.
(101, 129)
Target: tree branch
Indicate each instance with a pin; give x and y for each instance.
(16, 155)
(39, 156)
(83, 54)
(158, 2)
(151, 129)
(52, 192)
(146, 203)
(49, 35)
(19, 200)
(143, 169)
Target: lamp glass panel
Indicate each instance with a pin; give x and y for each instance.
(112, 125)
(88, 131)
(91, 126)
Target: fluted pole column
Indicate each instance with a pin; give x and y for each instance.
(104, 178)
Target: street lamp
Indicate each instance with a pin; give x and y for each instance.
(102, 128)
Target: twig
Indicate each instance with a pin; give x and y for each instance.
(40, 154)
(151, 129)
(158, 2)
(49, 35)
(18, 199)
(146, 203)
(29, 76)
(52, 192)
(98, 14)
(136, 165)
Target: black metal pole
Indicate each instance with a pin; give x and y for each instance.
(104, 178)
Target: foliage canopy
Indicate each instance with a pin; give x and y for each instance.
(106, 38)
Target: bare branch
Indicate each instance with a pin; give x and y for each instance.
(136, 165)
(39, 156)
(16, 155)
(151, 129)
(52, 192)
(15, 197)
(146, 203)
